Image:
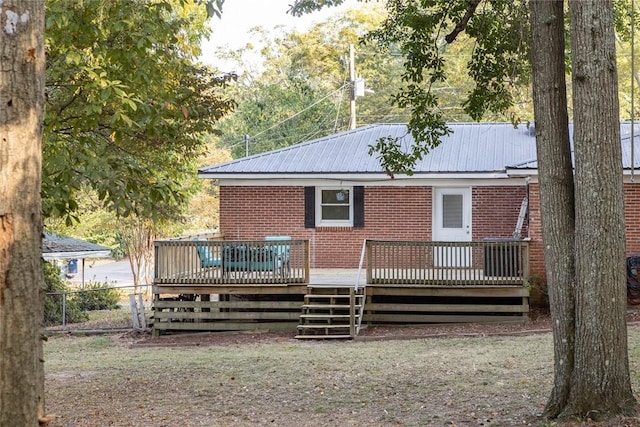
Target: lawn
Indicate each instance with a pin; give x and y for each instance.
(481, 381)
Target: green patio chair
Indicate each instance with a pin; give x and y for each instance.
(282, 252)
(207, 256)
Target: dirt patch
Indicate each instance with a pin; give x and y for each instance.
(538, 322)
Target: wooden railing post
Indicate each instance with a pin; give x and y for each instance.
(352, 312)
(525, 263)
(307, 261)
(156, 261)
(369, 261)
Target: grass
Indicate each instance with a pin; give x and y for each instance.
(490, 381)
(104, 319)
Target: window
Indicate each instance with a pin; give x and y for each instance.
(452, 211)
(335, 206)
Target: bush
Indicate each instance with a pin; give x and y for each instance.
(538, 293)
(98, 296)
(54, 290)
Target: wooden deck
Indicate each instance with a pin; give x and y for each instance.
(404, 282)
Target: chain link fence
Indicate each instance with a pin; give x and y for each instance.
(98, 307)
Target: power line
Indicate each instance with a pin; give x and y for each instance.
(281, 122)
(301, 111)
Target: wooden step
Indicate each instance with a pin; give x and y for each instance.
(323, 326)
(322, 337)
(341, 296)
(326, 312)
(328, 306)
(325, 316)
(333, 285)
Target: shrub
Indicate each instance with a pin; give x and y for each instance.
(54, 290)
(538, 294)
(98, 296)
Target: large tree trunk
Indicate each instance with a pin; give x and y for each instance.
(555, 175)
(600, 383)
(21, 275)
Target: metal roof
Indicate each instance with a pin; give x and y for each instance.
(55, 246)
(469, 148)
(625, 141)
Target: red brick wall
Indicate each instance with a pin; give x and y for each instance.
(391, 213)
(495, 211)
(632, 217)
(248, 213)
(632, 220)
(536, 249)
(400, 213)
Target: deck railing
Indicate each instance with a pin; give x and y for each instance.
(231, 262)
(490, 262)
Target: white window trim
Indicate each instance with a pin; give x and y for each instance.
(332, 222)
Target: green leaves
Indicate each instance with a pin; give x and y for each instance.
(120, 74)
(301, 7)
(421, 31)
(302, 91)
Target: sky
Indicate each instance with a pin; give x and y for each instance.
(239, 16)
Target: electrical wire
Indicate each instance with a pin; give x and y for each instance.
(300, 112)
(281, 122)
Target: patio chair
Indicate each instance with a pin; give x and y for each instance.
(207, 256)
(281, 252)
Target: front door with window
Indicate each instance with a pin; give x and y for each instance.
(452, 223)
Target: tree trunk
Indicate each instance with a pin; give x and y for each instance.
(555, 176)
(21, 274)
(600, 384)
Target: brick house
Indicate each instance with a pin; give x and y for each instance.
(479, 183)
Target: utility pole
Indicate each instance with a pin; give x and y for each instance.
(633, 80)
(246, 145)
(352, 77)
(357, 87)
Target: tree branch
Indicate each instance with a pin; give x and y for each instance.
(471, 9)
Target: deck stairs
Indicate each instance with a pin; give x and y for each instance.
(331, 312)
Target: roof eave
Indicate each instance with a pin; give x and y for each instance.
(76, 255)
(357, 176)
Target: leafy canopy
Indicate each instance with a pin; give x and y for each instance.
(422, 31)
(127, 104)
(301, 90)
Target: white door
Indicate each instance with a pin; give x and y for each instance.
(452, 223)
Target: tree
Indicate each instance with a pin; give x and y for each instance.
(301, 90)
(600, 382)
(556, 186)
(583, 229)
(127, 103)
(204, 206)
(138, 236)
(21, 275)
(129, 108)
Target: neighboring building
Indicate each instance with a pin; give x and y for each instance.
(473, 186)
(66, 251)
